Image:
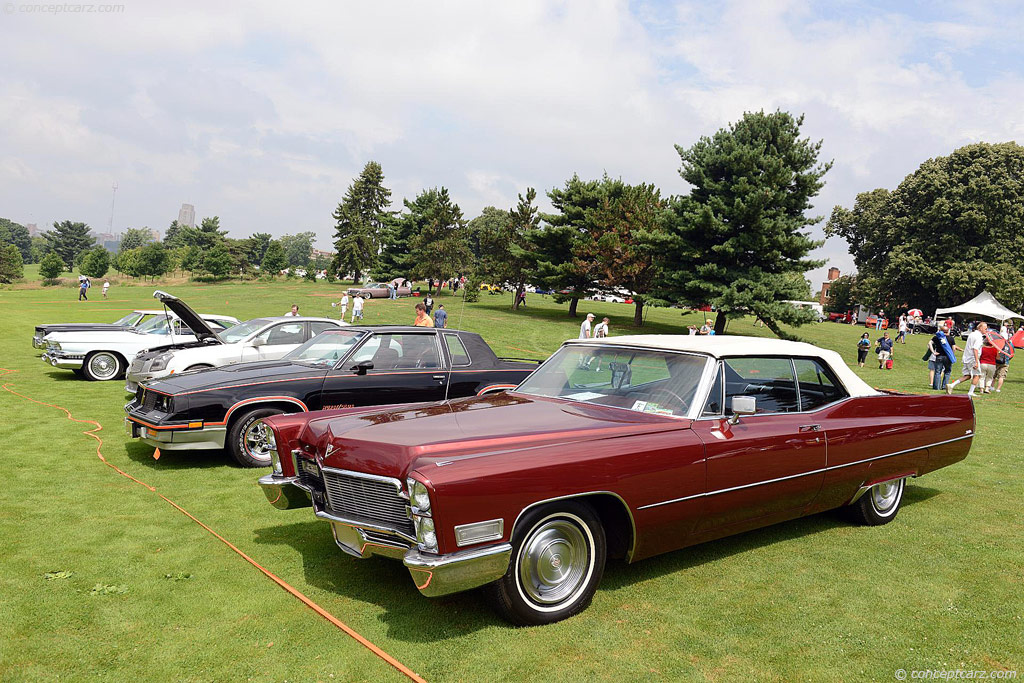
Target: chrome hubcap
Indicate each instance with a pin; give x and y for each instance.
(554, 562)
(257, 440)
(884, 496)
(103, 366)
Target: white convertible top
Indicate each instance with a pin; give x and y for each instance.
(729, 345)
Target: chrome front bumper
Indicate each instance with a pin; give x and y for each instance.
(60, 360)
(434, 575)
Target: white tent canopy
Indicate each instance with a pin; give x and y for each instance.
(984, 305)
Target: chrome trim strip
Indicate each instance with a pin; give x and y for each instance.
(802, 474)
(360, 524)
(397, 483)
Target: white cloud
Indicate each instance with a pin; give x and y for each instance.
(263, 113)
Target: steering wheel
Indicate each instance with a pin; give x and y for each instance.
(684, 406)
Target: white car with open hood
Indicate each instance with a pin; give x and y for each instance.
(258, 339)
(104, 355)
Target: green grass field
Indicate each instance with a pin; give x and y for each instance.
(101, 578)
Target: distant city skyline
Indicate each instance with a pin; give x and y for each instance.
(187, 215)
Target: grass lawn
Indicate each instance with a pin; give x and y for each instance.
(102, 578)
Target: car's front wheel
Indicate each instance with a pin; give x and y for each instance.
(249, 438)
(879, 504)
(557, 562)
(102, 366)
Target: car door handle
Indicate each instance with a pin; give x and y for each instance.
(438, 376)
(810, 428)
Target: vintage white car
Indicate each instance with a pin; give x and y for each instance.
(267, 338)
(102, 355)
(133, 319)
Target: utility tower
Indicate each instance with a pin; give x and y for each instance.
(113, 198)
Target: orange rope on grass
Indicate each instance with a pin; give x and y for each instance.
(92, 434)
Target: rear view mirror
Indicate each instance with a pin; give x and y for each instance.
(256, 343)
(741, 405)
(362, 366)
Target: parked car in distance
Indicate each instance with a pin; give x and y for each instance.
(127, 322)
(351, 366)
(102, 355)
(872, 320)
(257, 339)
(377, 290)
(626, 447)
(846, 318)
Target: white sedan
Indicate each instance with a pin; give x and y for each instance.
(104, 355)
(257, 339)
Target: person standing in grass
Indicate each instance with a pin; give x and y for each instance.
(428, 304)
(988, 365)
(293, 313)
(601, 330)
(884, 350)
(585, 326)
(901, 337)
(1003, 363)
(344, 305)
(106, 286)
(945, 358)
(83, 288)
(357, 308)
(863, 346)
(441, 317)
(972, 360)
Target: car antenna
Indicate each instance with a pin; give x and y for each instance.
(462, 313)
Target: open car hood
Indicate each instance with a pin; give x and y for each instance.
(200, 329)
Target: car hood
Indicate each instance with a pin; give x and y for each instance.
(188, 316)
(115, 336)
(392, 442)
(255, 373)
(180, 346)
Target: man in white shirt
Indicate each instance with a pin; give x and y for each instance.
(585, 326)
(106, 286)
(972, 359)
(292, 313)
(601, 329)
(344, 306)
(357, 307)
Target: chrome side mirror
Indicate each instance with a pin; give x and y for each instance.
(741, 405)
(257, 342)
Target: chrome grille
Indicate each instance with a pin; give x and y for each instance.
(376, 500)
(149, 399)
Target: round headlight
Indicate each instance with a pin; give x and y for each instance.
(425, 534)
(419, 497)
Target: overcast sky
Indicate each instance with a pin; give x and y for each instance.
(262, 114)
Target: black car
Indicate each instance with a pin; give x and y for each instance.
(348, 367)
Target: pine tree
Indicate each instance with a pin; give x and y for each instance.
(441, 248)
(737, 239)
(69, 239)
(11, 265)
(362, 219)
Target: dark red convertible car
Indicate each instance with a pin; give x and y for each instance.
(621, 447)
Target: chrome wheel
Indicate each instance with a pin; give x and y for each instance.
(103, 366)
(257, 441)
(555, 561)
(885, 497)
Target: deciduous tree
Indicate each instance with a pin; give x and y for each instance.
(96, 263)
(950, 230)
(274, 260)
(16, 234)
(133, 238)
(51, 266)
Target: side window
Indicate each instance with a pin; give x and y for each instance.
(769, 380)
(399, 352)
(318, 327)
(284, 333)
(715, 404)
(818, 386)
(457, 350)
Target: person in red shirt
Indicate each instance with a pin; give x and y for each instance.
(988, 365)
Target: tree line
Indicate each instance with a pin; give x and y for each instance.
(736, 240)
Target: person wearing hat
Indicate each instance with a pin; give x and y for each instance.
(586, 326)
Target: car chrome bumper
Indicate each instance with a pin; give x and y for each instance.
(284, 493)
(59, 360)
(437, 575)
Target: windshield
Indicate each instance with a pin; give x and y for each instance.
(128, 320)
(238, 332)
(155, 325)
(326, 348)
(654, 382)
